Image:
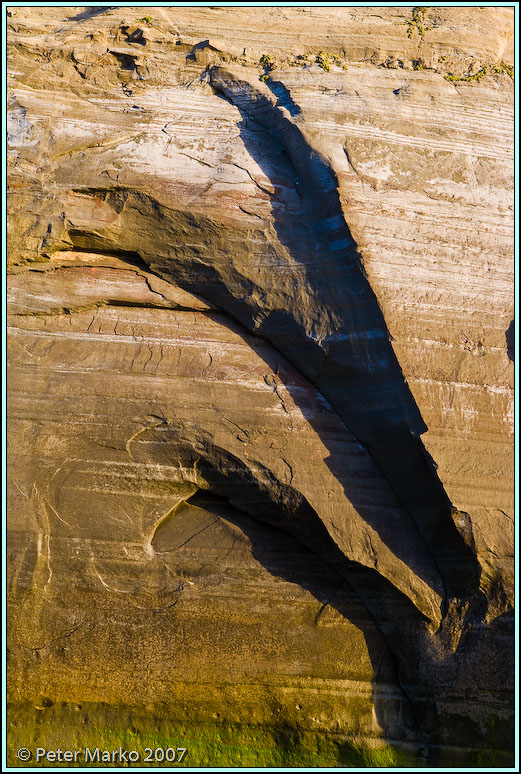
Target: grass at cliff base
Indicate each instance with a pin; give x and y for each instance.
(207, 745)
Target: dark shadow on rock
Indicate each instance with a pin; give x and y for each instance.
(126, 61)
(137, 36)
(355, 367)
(400, 619)
(383, 513)
(356, 371)
(510, 337)
(284, 98)
(288, 558)
(254, 491)
(406, 713)
(425, 512)
(483, 667)
(91, 11)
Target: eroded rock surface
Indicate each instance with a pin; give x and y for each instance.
(261, 370)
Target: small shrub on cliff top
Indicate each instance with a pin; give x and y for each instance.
(267, 62)
(504, 68)
(417, 22)
(478, 76)
(324, 60)
(146, 19)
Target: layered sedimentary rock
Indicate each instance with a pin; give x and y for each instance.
(261, 373)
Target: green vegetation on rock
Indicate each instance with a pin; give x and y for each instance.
(210, 744)
(207, 745)
(325, 59)
(417, 22)
(268, 64)
(478, 75)
(502, 67)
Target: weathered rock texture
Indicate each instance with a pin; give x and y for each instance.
(261, 372)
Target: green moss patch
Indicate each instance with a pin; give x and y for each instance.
(207, 745)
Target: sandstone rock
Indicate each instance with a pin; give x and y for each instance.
(260, 374)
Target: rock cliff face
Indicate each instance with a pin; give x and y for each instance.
(260, 375)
